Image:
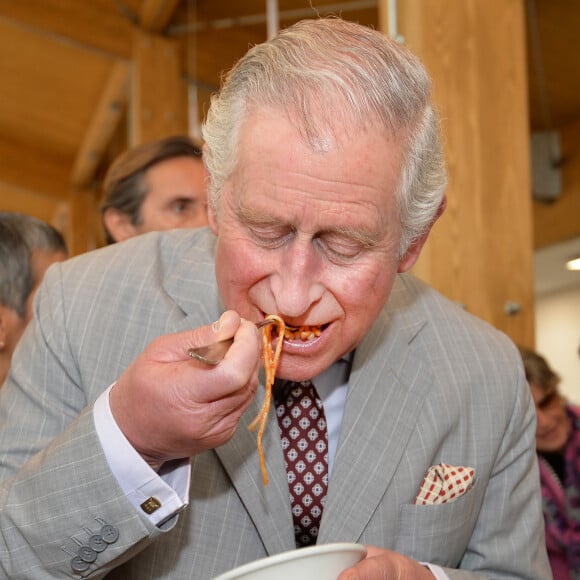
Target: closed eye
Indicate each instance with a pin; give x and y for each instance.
(270, 236)
(340, 249)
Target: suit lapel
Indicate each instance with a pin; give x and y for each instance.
(189, 277)
(387, 388)
(268, 505)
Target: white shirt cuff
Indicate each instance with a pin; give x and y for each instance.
(158, 497)
(437, 571)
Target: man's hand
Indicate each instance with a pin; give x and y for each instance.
(170, 406)
(383, 564)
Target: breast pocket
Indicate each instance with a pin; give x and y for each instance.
(438, 533)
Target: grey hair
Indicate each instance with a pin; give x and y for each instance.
(20, 235)
(358, 75)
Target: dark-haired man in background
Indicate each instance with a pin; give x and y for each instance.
(155, 186)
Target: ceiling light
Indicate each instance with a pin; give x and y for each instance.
(573, 263)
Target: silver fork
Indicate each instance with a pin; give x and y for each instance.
(213, 353)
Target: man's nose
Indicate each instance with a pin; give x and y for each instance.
(297, 285)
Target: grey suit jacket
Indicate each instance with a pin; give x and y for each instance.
(429, 384)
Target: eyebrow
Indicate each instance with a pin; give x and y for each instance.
(249, 216)
(364, 238)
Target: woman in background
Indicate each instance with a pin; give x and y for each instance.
(558, 448)
(28, 246)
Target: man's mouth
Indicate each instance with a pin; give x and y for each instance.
(304, 333)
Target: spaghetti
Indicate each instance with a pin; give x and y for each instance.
(271, 358)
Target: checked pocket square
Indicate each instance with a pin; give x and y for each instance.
(444, 483)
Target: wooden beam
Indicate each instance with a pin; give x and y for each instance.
(35, 170)
(158, 97)
(103, 125)
(83, 221)
(559, 221)
(229, 15)
(91, 25)
(37, 204)
(76, 215)
(156, 14)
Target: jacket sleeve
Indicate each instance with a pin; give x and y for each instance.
(58, 497)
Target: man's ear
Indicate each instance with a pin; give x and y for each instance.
(414, 251)
(3, 329)
(118, 224)
(212, 218)
(11, 327)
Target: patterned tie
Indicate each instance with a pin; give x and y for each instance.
(305, 443)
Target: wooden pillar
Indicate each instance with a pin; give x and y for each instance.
(103, 125)
(81, 222)
(158, 96)
(480, 253)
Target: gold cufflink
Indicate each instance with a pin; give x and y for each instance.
(150, 505)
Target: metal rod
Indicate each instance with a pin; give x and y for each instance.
(393, 22)
(273, 18)
(536, 49)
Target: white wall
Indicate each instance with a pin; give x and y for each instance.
(558, 337)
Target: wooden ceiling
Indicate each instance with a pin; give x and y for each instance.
(64, 67)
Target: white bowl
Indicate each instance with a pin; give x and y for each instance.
(324, 562)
